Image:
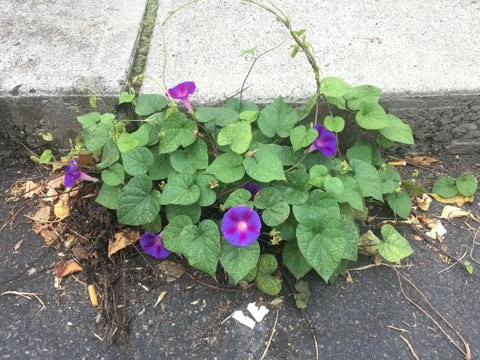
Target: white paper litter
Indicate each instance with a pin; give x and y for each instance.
(258, 313)
(242, 319)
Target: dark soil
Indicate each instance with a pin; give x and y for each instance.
(359, 319)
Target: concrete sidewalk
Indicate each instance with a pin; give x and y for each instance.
(424, 55)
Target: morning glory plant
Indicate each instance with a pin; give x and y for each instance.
(236, 188)
(152, 245)
(241, 226)
(182, 91)
(73, 173)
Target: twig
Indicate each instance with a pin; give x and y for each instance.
(410, 347)
(443, 252)
(271, 336)
(465, 352)
(312, 330)
(473, 246)
(25, 295)
(455, 263)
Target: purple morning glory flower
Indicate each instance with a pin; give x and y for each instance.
(325, 142)
(73, 173)
(253, 188)
(181, 92)
(152, 244)
(241, 226)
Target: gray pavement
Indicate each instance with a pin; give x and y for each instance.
(424, 55)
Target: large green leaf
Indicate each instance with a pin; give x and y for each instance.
(149, 103)
(362, 94)
(294, 260)
(295, 190)
(316, 206)
(201, 246)
(467, 185)
(171, 239)
(372, 116)
(394, 246)
(398, 130)
(137, 161)
(322, 242)
(368, 179)
(109, 196)
(277, 118)
(445, 187)
(177, 131)
(221, 116)
(276, 211)
(240, 197)
(160, 168)
(305, 110)
(352, 194)
(192, 211)
(238, 135)
(400, 203)
(180, 190)
(204, 182)
(110, 154)
(138, 203)
(238, 260)
(351, 238)
(114, 175)
(126, 142)
(239, 107)
(97, 135)
(191, 158)
(333, 86)
(300, 137)
(227, 167)
(264, 166)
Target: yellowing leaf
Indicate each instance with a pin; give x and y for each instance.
(61, 210)
(67, 268)
(459, 199)
(450, 211)
(122, 240)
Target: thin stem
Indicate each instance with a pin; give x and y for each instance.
(255, 60)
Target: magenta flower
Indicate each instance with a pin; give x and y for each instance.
(73, 173)
(241, 226)
(325, 142)
(253, 188)
(181, 92)
(152, 244)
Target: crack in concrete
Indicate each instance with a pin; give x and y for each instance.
(142, 45)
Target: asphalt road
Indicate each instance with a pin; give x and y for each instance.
(367, 318)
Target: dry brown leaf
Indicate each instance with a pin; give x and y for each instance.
(122, 240)
(55, 183)
(67, 268)
(61, 210)
(450, 212)
(42, 215)
(79, 252)
(85, 159)
(50, 196)
(421, 160)
(49, 236)
(171, 268)
(17, 245)
(423, 202)
(460, 200)
(32, 189)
